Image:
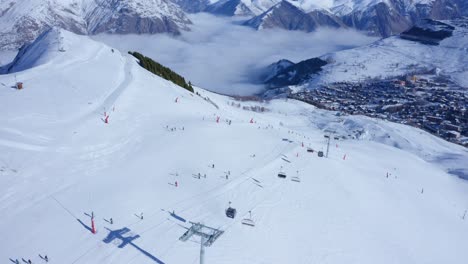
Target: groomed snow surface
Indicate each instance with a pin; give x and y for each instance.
(59, 162)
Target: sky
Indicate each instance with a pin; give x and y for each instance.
(223, 56)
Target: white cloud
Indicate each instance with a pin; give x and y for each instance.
(222, 56)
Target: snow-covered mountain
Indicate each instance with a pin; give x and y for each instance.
(296, 73)
(397, 56)
(377, 17)
(389, 17)
(193, 6)
(240, 7)
(60, 164)
(429, 46)
(287, 16)
(382, 195)
(275, 68)
(21, 21)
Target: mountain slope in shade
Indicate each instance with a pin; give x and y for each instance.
(389, 17)
(296, 73)
(37, 53)
(275, 68)
(23, 20)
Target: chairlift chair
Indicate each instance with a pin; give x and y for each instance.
(231, 212)
(310, 150)
(296, 178)
(248, 221)
(282, 175)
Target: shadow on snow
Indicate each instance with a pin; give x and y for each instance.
(119, 234)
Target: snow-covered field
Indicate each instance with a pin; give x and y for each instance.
(394, 56)
(376, 199)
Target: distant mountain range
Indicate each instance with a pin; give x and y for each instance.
(377, 17)
(21, 21)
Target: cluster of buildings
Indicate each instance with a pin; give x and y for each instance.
(434, 104)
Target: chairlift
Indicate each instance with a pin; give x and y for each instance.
(296, 178)
(248, 221)
(231, 212)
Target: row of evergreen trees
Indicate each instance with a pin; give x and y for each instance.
(162, 71)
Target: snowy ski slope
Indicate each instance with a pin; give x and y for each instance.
(59, 162)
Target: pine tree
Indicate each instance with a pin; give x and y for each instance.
(162, 71)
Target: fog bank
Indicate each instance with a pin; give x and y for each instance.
(220, 55)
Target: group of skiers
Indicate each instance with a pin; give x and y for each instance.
(45, 258)
(172, 129)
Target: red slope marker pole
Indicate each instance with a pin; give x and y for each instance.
(93, 228)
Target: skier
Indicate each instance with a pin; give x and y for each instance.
(29, 261)
(141, 216)
(176, 184)
(111, 221)
(47, 259)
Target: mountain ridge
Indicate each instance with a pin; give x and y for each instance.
(23, 20)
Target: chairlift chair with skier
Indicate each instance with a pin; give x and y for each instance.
(281, 174)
